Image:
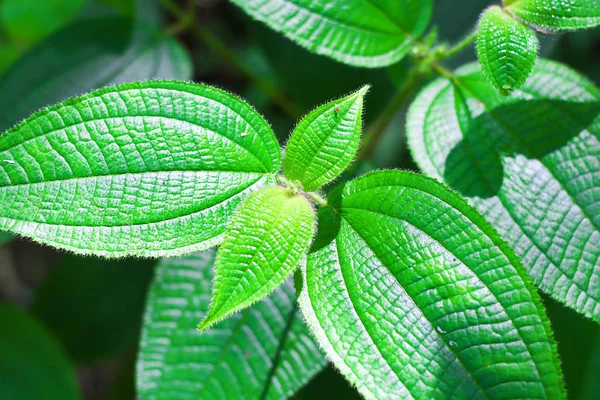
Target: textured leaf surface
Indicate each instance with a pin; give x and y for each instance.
(557, 15)
(412, 294)
(365, 33)
(93, 306)
(325, 142)
(264, 243)
(263, 352)
(32, 366)
(31, 20)
(146, 169)
(529, 163)
(87, 56)
(506, 48)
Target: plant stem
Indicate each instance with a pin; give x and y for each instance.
(216, 45)
(460, 46)
(375, 132)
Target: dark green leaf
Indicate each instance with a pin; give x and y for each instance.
(556, 15)
(148, 169)
(528, 163)
(87, 56)
(5, 237)
(263, 352)
(264, 243)
(506, 48)
(325, 142)
(32, 365)
(370, 34)
(93, 306)
(412, 294)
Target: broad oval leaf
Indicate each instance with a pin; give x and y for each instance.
(556, 15)
(263, 352)
(264, 243)
(412, 294)
(370, 34)
(325, 142)
(528, 163)
(87, 56)
(33, 365)
(506, 48)
(148, 169)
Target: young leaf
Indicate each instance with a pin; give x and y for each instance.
(412, 294)
(87, 56)
(264, 243)
(32, 366)
(528, 163)
(370, 34)
(506, 48)
(325, 142)
(266, 347)
(148, 169)
(556, 15)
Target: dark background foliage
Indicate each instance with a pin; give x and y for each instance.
(92, 308)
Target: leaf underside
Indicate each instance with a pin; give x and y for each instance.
(557, 15)
(263, 352)
(264, 243)
(370, 34)
(506, 49)
(412, 294)
(146, 169)
(529, 164)
(325, 142)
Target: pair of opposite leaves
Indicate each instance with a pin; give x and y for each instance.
(507, 47)
(162, 168)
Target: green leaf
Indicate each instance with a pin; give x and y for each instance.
(87, 56)
(32, 366)
(528, 163)
(556, 15)
(93, 306)
(412, 294)
(148, 169)
(370, 34)
(5, 238)
(506, 48)
(325, 142)
(28, 21)
(264, 243)
(263, 352)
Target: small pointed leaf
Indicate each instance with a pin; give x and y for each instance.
(557, 15)
(264, 243)
(528, 163)
(268, 343)
(371, 34)
(413, 295)
(506, 48)
(325, 142)
(146, 169)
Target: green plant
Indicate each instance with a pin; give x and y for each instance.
(412, 286)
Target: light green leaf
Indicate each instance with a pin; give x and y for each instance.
(263, 352)
(412, 294)
(371, 34)
(556, 15)
(29, 21)
(32, 366)
(528, 163)
(87, 56)
(93, 306)
(264, 243)
(325, 142)
(149, 169)
(506, 48)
